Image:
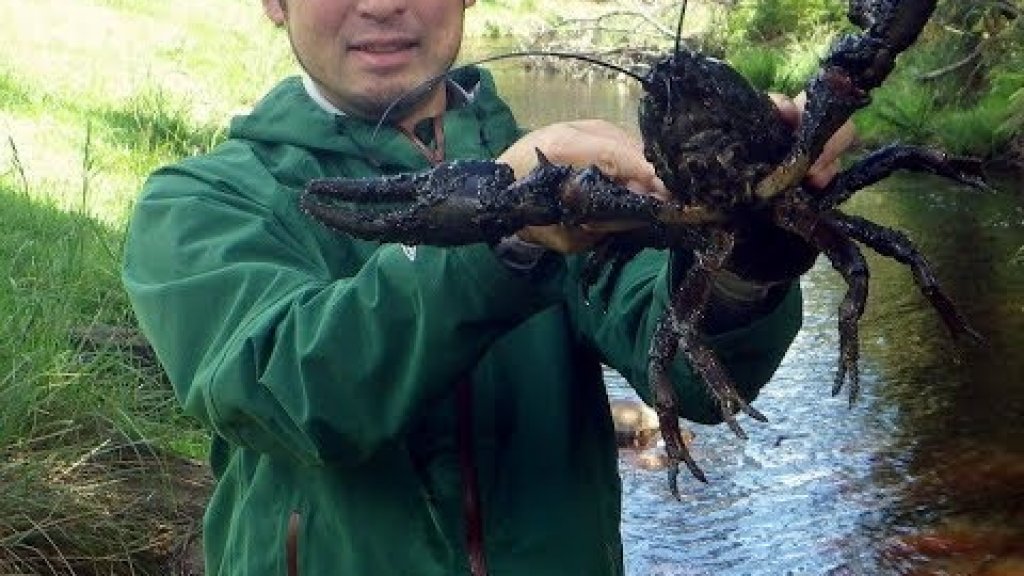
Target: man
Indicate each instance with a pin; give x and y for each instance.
(382, 411)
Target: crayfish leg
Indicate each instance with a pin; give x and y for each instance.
(688, 309)
(883, 162)
(679, 330)
(899, 247)
(663, 349)
(607, 259)
(822, 232)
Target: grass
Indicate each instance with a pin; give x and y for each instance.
(937, 114)
(96, 459)
(779, 70)
(87, 434)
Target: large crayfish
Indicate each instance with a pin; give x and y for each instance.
(730, 161)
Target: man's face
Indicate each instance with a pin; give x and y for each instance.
(365, 54)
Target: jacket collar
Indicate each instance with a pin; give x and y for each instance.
(482, 127)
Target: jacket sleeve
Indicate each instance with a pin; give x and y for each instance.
(270, 351)
(621, 328)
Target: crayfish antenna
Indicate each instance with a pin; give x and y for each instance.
(679, 27)
(542, 159)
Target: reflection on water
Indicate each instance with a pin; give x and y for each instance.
(924, 475)
(539, 99)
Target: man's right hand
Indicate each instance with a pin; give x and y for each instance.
(615, 152)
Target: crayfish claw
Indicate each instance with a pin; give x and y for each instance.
(897, 23)
(855, 65)
(401, 188)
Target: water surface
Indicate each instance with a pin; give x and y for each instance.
(924, 475)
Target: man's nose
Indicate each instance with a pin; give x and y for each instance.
(381, 9)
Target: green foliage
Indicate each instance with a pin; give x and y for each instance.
(956, 87)
(492, 30)
(976, 42)
(772, 21)
(777, 44)
(62, 273)
(973, 131)
(1014, 122)
(759, 65)
(775, 70)
(902, 110)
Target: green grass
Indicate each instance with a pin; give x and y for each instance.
(783, 70)
(93, 97)
(936, 113)
(80, 496)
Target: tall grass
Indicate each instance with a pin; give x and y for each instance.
(87, 433)
(97, 464)
(778, 70)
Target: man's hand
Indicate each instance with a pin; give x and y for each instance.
(615, 152)
(766, 254)
(826, 166)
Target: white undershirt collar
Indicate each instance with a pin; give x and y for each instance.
(314, 93)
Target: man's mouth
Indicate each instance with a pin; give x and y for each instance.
(383, 55)
(382, 46)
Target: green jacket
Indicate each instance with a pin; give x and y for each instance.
(326, 366)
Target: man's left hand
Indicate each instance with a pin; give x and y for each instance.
(766, 254)
(826, 166)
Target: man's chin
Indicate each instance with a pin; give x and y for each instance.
(394, 105)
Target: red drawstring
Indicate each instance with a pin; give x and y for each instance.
(470, 488)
